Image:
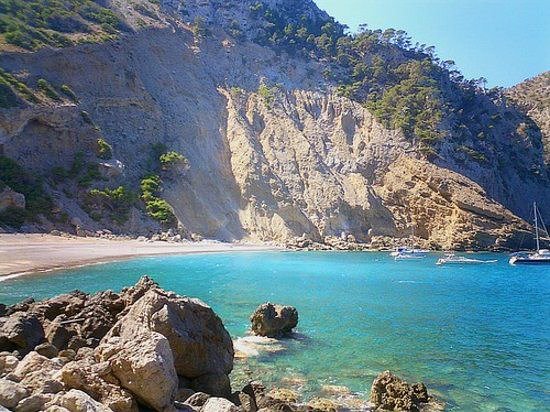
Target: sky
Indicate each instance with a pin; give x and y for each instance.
(505, 41)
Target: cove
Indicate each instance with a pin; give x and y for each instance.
(478, 336)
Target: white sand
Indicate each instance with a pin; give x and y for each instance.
(29, 253)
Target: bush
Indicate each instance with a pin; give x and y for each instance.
(67, 91)
(156, 208)
(13, 217)
(47, 89)
(14, 176)
(267, 94)
(113, 203)
(172, 159)
(104, 150)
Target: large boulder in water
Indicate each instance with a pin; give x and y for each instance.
(390, 393)
(274, 320)
(201, 346)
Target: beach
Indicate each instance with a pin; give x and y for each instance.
(31, 253)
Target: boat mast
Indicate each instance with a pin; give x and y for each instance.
(536, 225)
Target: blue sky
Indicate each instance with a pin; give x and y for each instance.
(505, 41)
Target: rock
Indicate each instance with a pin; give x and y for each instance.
(391, 393)
(69, 354)
(8, 363)
(274, 320)
(39, 373)
(47, 349)
(322, 405)
(21, 331)
(68, 304)
(144, 365)
(182, 394)
(96, 379)
(33, 403)
(245, 401)
(284, 395)
(11, 199)
(58, 334)
(11, 393)
(213, 384)
(256, 390)
(78, 401)
(219, 405)
(199, 342)
(197, 399)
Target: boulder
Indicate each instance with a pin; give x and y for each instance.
(33, 403)
(199, 342)
(78, 401)
(7, 363)
(68, 304)
(213, 384)
(96, 379)
(219, 405)
(198, 399)
(46, 349)
(11, 393)
(21, 331)
(143, 365)
(39, 374)
(274, 320)
(322, 405)
(391, 393)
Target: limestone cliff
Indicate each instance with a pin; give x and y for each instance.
(274, 151)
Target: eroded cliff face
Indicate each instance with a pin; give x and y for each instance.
(297, 159)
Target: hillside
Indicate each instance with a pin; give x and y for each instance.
(533, 97)
(261, 120)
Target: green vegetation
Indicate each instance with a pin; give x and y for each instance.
(157, 208)
(405, 85)
(11, 88)
(104, 150)
(115, 203)
(172, 159)
(37, 201)
(267, 94)
(32, 24)
(473, 154)
(67, 91)
(45, 87)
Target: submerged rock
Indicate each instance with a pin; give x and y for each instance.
(274, 320)
(392, 393)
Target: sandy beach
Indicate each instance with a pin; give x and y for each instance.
(31, 253)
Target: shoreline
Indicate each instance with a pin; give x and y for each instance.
(33, 254)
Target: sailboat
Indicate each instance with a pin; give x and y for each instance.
(406, 253)
(539, 256)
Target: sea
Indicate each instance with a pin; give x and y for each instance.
(477, 335)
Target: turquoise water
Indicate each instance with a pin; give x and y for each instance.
(479, 336)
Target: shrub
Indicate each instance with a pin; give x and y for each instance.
(172, 159)
(47, 89)
(7, 97)
(67, 91)
(267, 94)
(113, 203)
(104, 150)
(13, 217)
(36, 199)
(156, 208)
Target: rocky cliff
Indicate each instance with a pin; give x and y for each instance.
(274, 149)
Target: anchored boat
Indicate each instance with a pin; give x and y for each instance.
(539, 256)
(452, 259)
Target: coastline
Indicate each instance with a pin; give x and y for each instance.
(27, 254)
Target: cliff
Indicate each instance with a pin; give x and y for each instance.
(274, 147)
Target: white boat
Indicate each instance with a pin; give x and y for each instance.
(539, 256)
(404, 253)
(452, 259)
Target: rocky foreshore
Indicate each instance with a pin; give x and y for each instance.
(146, 349)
